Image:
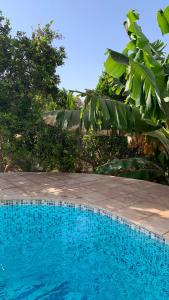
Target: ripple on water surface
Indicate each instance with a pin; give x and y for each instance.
(56, 252)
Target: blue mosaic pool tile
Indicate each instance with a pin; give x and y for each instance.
(59, 250)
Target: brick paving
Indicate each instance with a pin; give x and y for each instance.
(143, 203)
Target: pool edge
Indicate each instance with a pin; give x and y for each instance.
(95, 208)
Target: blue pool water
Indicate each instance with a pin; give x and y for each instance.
(62, 252)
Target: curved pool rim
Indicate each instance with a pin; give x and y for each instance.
(85, 206)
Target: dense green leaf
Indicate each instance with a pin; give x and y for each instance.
(103, 114)
(134, 30)
(118, 57)
(166, 13)
(133, 15)
(136, 89)
(131, 46)
(163, 20)
(138, 168)
(113, 68)
(149, 101)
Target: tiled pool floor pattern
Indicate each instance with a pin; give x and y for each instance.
(72, 252)
(143, 203)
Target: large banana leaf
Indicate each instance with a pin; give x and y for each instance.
(104, 114)
(137, 167)
(144, 86)
(101, 114)
(146, 71)
(144, 67)
(163, 20)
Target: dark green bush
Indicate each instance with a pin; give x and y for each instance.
(137, 167)
(97, 150)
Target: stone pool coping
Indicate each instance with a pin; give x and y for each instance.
(139, 202)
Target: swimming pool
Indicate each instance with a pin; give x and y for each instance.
(60, 251)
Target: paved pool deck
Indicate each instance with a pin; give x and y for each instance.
(143, 203)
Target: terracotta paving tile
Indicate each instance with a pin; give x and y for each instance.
(148, 196)
(93, 197)
(155, 223)
(7, 186)
(126, 200)
(112, 205)
(13, 194)
(71, 191)
(160, 208)
(132, 215)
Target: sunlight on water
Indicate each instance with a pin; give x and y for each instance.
(55, 252)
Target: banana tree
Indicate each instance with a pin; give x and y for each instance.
(145, 67)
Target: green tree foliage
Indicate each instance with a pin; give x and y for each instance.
(141, 73)
(163, 20)
(111, 87)
(139, 77)
(145, 67)
(28, 68)
(28, 86)
(138, 168)
(96, 150)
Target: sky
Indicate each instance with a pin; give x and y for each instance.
(88, 27)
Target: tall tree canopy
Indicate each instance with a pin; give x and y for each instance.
(28, 85)
(28, 68)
